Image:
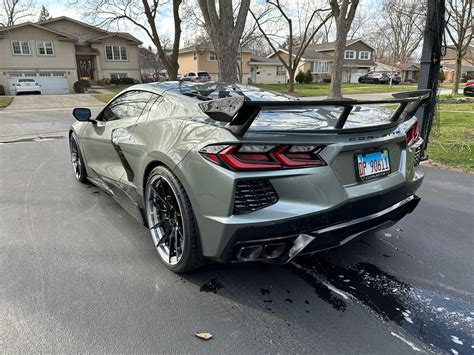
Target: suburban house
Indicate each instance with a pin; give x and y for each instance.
(201, 57)
(151, 67)
(319, 58)
(60, 51)
(265, 70)
(449, 63)
(407, 71)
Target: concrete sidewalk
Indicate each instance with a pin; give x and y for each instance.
(41, 102)
(371, 96)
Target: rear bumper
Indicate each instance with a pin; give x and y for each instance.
(280, 242)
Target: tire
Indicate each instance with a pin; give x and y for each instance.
(77, 161)
(171, 221)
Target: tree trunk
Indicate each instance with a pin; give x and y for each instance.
(227, 64)
(172, 70)
(291, 82)
(457, 75)
(338, 67)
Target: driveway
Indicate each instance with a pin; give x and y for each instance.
(24, 102)
(80, 275)
(33, 115)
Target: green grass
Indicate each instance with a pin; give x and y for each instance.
(322, 89)
(104, 97)
(115, 89)
(452, 138)
(5, 101)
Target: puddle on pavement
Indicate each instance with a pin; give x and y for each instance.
(211, 286)
(33, 139)
(439, 322)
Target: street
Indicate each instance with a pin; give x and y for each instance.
(80, 275)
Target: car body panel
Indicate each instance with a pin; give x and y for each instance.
(172, 129)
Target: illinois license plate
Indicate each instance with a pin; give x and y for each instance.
(373, 164)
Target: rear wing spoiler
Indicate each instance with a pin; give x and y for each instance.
(239, 114)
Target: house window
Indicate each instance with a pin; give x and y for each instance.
(320, 67)
(21, 48)
(281, 70)
(195, 56)
(115, 76)
(44, 48)
(212, 56)
(349, 54)
(364, 55)
(116, 53)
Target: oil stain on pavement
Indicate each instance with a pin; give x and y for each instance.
(440, 322)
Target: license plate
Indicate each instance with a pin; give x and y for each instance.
(372, 165)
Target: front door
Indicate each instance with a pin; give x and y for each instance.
(85, 68)
(104, 156)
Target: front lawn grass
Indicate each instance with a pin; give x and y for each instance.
(452, 138)
(322, 89)
(5, 101)
(104, 97)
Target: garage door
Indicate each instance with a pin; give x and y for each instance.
(51, 82)
(356, 74)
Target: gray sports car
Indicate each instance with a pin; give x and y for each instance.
(233, 173)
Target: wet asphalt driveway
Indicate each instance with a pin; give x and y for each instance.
(79, 275)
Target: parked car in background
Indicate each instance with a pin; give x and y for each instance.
(470, 82)
(198, 77)
(469, 88)
(379, 78)
(27, 86)
(396, 79)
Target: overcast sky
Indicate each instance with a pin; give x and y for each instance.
(58, 8)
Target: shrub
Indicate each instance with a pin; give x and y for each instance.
(308, 77)
(2, 90)
(122, 81)
(85, 83)
(442, 77)
(299, 77)
(79, 88)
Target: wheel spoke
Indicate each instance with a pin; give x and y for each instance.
(164, 237)
(159, 197)
(159, 223)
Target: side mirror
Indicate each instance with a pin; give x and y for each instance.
(82, 114)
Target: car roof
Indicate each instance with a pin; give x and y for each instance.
(185, 90)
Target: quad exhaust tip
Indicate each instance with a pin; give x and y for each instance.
(255, 252)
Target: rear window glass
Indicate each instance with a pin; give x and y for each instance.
(203, 73)
(322, 117)
(26, 80)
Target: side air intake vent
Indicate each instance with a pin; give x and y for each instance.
(253, 195)
(417, 156)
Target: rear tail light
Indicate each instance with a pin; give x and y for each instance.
(263, 157)
(412, 134)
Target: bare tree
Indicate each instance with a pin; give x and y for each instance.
(225, 32)
(343, 12)
(296, 43)
(144, 14)
(14, 11)
(402, 28)
(460, 30)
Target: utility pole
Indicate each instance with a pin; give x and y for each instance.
(430, 64)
